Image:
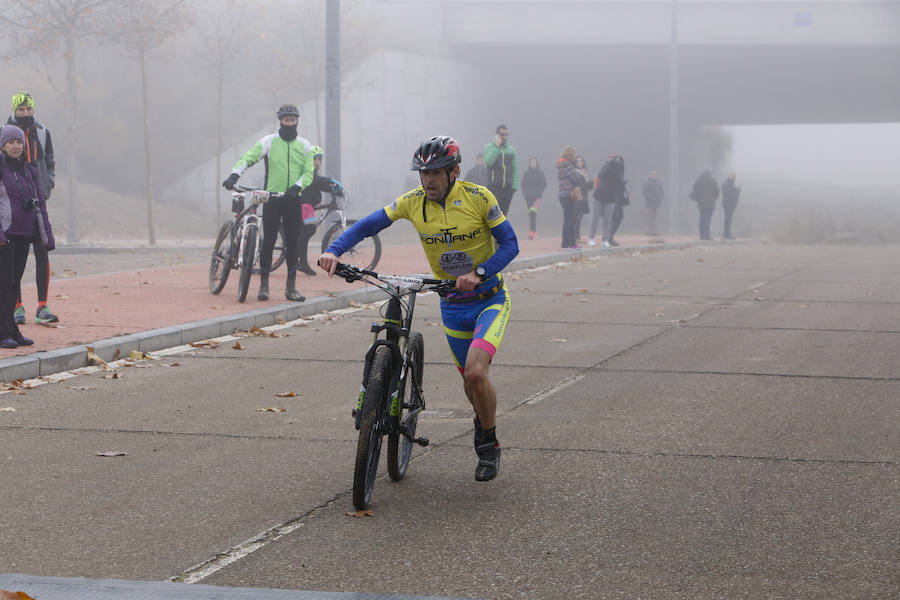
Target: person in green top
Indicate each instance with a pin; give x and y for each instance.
(289, 162)
(502, 168)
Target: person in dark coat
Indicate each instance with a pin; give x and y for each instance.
(534, 182)
(583, 206)
(612, 195)
(652, 191)
(23, 219)
(704, 193)
(39, 152)
(478, 173)
(730, 195)
(310, 199)
(569, 180)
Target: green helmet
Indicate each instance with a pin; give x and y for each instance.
(22, 98)
(317, 152)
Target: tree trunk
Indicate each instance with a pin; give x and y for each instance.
(72, 235)
(219, 86)
(151, 234)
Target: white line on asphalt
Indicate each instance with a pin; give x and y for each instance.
(546, 393)
(203, 570)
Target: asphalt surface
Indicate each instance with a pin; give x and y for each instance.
(709, 422)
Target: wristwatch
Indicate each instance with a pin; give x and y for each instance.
(479, 270)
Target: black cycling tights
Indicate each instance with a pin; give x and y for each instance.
(276, 212)
(41, 274)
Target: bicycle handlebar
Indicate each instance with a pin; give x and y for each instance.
(351, 274)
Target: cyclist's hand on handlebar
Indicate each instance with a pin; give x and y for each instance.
(328, 262)
(336, 188)
(293, 192)
(228, 184)
(467, 282)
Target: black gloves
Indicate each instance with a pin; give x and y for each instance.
(293, 192)
(228, 184)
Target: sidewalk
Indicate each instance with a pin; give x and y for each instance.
(154, 308)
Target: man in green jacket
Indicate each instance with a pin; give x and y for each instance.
(289, 171)
(502, 168)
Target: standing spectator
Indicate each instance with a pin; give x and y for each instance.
(730, 195)
(502, 168)
(23, 218)
(704, 193)
(478, 173)
(582, 207)
(310, 200)
(38, 152)
(570, 182)
(610, 193)
(653, 196)
(289, 165)
(534, 182)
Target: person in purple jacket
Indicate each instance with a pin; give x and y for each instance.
(23, 218)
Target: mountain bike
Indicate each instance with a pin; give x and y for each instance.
(391, 396)
(237, 244)
(365, 254)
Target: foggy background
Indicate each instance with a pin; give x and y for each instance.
(801, 99)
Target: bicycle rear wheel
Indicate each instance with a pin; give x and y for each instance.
(247, 261)
(364, 255)
(411, 403)
(374, 407)
(220, 263)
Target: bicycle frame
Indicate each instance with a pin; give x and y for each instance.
(246, 217)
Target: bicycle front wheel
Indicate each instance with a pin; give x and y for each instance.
(412, 402)
(374, 408)
(247, 261)
(220, 263)
(364, 255)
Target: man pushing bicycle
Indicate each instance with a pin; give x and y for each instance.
(467, 238)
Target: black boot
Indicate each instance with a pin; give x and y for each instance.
(290, 290)
(263, 286)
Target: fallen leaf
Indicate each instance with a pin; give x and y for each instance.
(81, 387)
(280, 321)
(112, 453)
(175, 364)
(93, 358)
(116, 354)
(237, 346)
(700, 259)
(361, 513)
(274, 409)
(275, 334)
(285, 395)
(137, 355)
(113, 375)
(559, 340)
(7, 409)
(205, 344)
(62, 297)
(16, 384)
(4, 595)
(217, 307)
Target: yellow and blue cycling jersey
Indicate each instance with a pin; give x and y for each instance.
(456, 236)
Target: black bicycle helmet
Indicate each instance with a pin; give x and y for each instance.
(439, 152)
(288, 110)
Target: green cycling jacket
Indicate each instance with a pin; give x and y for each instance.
(287, 163)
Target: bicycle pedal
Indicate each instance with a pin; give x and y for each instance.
(422, 441)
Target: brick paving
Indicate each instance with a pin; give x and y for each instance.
(103, 305)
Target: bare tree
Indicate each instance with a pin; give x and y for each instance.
(51, 28)
(221, 37)
(140, 26)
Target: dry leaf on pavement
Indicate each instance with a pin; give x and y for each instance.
(361, 513)
(93, 358)
(113, 375)
(285, 395)
(81, 387)
(274, 409)
(280, 321)
(237, 346)
(4, 595)
(205, 344)
(7, 409)
(112, 453)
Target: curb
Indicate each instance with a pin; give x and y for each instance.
(42, 364)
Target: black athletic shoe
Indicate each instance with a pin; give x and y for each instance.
(488, 461)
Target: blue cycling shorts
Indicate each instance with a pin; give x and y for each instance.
(480, 323)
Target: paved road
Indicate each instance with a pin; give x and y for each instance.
(714, 422)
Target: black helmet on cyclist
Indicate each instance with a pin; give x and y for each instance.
(439, 152)
(288, 110)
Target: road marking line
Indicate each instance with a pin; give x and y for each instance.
(546, 393)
